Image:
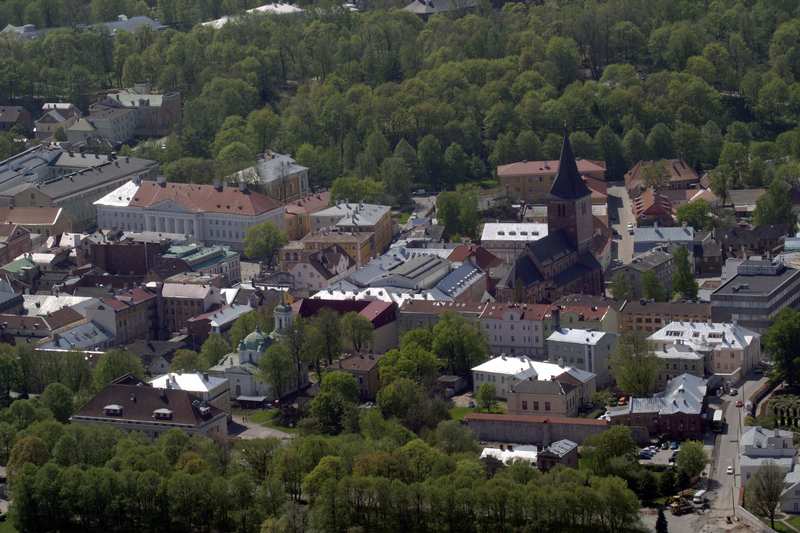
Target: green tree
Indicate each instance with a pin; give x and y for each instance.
(562, 52)
(659, 142)
(114, 364)
(410, 361)
(634, 147)
(621, 289)
(357, 331)
(613, 153)
(326, 336)
(263, 241)
(247, 324)
(276, 369)
(775, 207)
(58, 399)
(486, 397)
(27, 450)
(187, 361)
(335, 403)
(781, 341)
(634, 365)
(214, 349)
(429, 155)
(696, 214)
(456, 164)
(691, 459)
(9, 376)
(343, 384)
(652, 288)
(396, 177)
(683, 281)
(655, 174)
(764, 491)
(448, 211)
(453, 437)
(602, 449)
(353, 189)
(458, 343)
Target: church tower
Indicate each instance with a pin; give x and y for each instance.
(569, 205)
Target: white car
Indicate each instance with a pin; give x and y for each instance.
(729, 469)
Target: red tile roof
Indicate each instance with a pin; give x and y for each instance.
(437, 307)
(483, 258)
(378, 312)
(204, 198)
(309, 204)
(30, 215)
(531, 419)
(546, 168)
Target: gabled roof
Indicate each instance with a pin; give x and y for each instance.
(200, 198)
(568, 184)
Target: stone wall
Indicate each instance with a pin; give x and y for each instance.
(541, 431)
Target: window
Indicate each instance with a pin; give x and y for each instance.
(546, 406)
(535, 406)
(524, 405)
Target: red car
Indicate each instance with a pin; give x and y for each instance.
(739, 403)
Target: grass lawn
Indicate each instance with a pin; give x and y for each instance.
(794, 521)
(458, 413)
(263, 417)
(780, 528)
(6, 527)
(402, 218)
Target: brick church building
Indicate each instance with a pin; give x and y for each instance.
(562, 262)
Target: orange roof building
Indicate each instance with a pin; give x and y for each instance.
(214, 214)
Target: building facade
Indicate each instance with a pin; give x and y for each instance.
(212, 214)
(530, 181)
(583, 349)
(647, 316)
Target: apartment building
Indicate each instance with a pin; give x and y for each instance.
(657, 261)
(647, 316)
(357, 218)
(530, 181)
(583, 349)
(182, 301)
(756, 294)
(727, 349)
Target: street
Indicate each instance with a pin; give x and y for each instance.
(620, 210)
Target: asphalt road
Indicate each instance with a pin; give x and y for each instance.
(725, 487)
(619, 205)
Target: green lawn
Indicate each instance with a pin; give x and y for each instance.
(794, 521)
(402, 218)
(458, 413)
(6, 527)
(780, 528)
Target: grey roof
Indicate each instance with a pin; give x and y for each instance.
(568, 184)
(430, 7)
(562, 447)
(682, 394)
(82, 336)
(269, 167)
(354, 214)
(650, 260)
(459, 279)
(132, 24)
(661, 234)
(35, 168)
(744, 285)
(785, 463)
(758, 436)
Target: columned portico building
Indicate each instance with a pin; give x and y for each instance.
(209, 213)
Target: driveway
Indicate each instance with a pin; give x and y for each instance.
(250, 430)
(621, 213)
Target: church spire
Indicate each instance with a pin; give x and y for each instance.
(568, 184)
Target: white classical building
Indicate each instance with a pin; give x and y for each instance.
(213, 214)
(728, 349)
(505, 371)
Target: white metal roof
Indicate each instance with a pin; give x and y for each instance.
(119, 197)
(578, 336)
(705, 335)
(513, 231)
(190, 381)
(524, 453)
(522, 367)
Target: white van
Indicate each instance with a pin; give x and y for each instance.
(699, 497)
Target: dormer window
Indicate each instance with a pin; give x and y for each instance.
(162, 414)
(113, 410)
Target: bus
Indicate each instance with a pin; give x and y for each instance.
(718, 421)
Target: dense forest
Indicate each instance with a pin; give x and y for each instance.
(407, 102)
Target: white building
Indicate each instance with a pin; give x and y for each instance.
(211, 389)
(507, 240)
(728, 349)
(588, 350)
(760, 447)
(515, 328)
(212, 214)
(505, 371)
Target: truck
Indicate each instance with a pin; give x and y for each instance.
(699, 497)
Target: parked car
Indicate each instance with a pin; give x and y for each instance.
(729, 470)
(631, 228)
(733, 392)
(665, 445)
(674, 445)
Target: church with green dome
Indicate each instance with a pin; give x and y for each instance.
(241, 367)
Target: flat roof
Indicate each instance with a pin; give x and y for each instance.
(578, 336)
(513, 231)
(744, 285)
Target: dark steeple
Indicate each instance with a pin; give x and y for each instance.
(568, 184)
